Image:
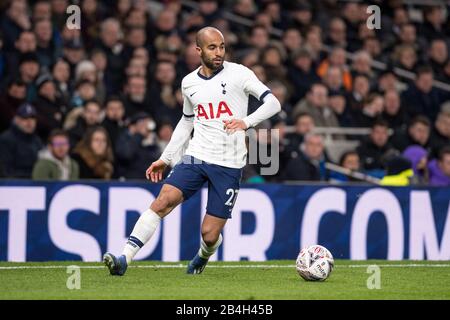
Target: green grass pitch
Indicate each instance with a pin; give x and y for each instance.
(226, 280)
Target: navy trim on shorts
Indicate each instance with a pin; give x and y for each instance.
(217, 216)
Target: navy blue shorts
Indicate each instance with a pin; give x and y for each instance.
(190, 174)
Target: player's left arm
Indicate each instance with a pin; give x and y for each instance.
(270, 107)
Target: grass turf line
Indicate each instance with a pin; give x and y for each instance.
(262, 280)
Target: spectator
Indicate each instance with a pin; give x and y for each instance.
(28, 72)
(86, 70)
(419, 161)
(19, 145)
(405, 57)
(114, 119)
(15, 21)
(388, 80)
(440, 135)
(54, 162)
(333, 79)
(50, 110)
(89, 118)
(84, 91)
(337, 33)
(61, 78)
(418, 133)
(302, 74)
(374, 149)
(338, 104)
(372, 109)
(394, 113)
(110, 44)
(73, 53)
(359, 93)
(304, 124)
(163, 93)
(10, 101)
(136, 99)
(280, 91)
(438, 56)
(42, 9)
(164, 131)
(439, 170)
(349, 160)
(421, 97)
(47, 50)
(137, 147)
(272, 59)
(25, 43)
(301, 16)
(398, 172)
(94, 155)
(362, 64)
(316, 104)
(292, 40)
(337, 58)
(433, 26)
(309, 163)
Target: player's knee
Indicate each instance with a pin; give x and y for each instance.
(162, 205)
(210, 237)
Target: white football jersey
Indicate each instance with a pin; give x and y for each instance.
(223, 96)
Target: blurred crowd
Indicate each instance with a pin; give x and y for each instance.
(101, 102)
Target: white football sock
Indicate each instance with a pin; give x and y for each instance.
(205, 252)
(142, 232)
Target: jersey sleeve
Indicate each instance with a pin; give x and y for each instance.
(188, 108)
(252, 85)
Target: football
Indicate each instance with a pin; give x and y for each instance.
(314, 263)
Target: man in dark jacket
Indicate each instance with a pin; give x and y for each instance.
(10, 101)
(88, 119)
(114, 119)
(440, 135)
(373, 150)
(19, 145)
(422, 98)
(50, 110)
(307, 164)
(418, 133)
(136, 148)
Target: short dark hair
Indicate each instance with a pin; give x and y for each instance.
(92, 101)
(346, 154)
(113, 99)
(424, 69)
(16, 81)
(380, 123)
(301, 115)
(57, 133)
(420, 119)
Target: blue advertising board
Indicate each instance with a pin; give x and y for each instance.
(82, 220)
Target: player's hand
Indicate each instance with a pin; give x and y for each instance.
(155, 171)
(233, 125)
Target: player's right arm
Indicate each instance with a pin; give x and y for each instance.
(180, 137)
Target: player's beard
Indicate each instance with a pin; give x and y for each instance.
(209, 63)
